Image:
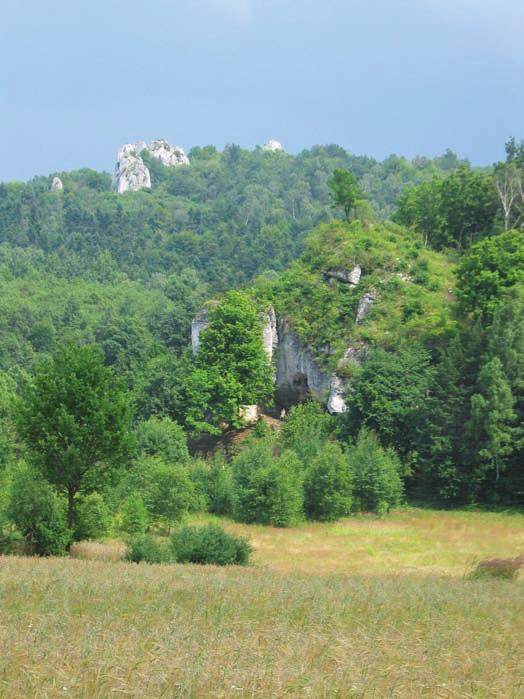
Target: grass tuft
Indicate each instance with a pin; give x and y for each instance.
(503, 568)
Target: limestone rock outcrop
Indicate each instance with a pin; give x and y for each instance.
(364, 306)
(57, 185)
(299, 375)
(336, 403)
(347, 277)
(270, 332)
(132, 174)
(170, 156)
(273, 145)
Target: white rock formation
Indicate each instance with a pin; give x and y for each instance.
(170, 156)
(352, 278)
(249, 413)
(298, 374)
(199, 323)
(336, 403)
(270, 332)
(272, 145)
(131, 173)
(364, 306)
(57, 185)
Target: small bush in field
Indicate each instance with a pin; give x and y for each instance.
(134, 515)
(214, 483)
(377, 486)
(146, 548)
(307, 429)
(164, 438)
(210, 545)
(39, 514)
(169, 492)
(11, 541)
(92, 518)
(268, 485)
(503, 568)
(328, 486)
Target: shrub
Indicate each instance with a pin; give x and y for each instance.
(377, 486)
(39, 513)
(268, 487)
(163, 438)
(169, 492)
(306, 430)
(147, 548)
(134, 515)
(11, 541)
(214, 485)
(328, 486)
(210, 545)
(92, 518)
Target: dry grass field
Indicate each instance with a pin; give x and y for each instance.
(361, 608)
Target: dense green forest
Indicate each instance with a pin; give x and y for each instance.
(99, 390)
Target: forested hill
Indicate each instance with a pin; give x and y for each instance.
(227, 217)
(440, 341)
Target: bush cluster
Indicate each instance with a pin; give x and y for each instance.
(306, 473)
(209, 545)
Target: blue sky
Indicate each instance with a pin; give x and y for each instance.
(80, 77)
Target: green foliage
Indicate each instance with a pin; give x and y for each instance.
(164, 438)
(74, 419)
(492, 416)
(231, 366)
(7, 428)
(344, 191)
(387, 396)
(306, 430)
(454, 211)
(268, 485)
(92, 518)
(210, 545)
(146, 548)
(134, 517)
(488, 271)
(169, 493)
(377, 486)
(38, 513)
(328, 485)
(412, 286)
(213, 479)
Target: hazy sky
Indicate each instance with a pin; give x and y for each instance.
(80, 77)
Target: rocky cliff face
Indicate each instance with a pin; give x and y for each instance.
(298, 375)
(270, 332)
(170, 156)
(131, 173)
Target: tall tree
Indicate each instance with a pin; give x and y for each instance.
(344, 191)
(492, 417)
(74, 419)
(231, 368)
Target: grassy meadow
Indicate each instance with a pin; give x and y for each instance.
(360, 608)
